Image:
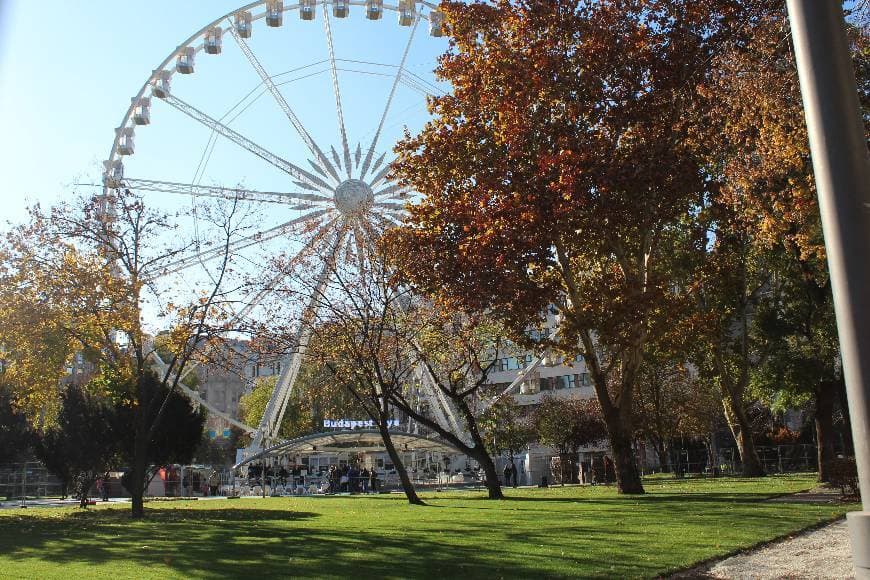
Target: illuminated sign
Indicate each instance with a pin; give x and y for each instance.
(349, 424)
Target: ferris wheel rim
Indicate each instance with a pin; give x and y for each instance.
(128, 116)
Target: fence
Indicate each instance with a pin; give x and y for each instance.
(320, 483)
(23, 481)
(774, 459)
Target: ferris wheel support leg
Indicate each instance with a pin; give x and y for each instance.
(443, 408)
(274, 413)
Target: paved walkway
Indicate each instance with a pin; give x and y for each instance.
(821, 553)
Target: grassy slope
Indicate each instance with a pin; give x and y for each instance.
(560, 532)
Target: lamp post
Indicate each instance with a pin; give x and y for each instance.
(842, 172)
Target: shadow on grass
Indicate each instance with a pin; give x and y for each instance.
(245, 543)
(593, 534)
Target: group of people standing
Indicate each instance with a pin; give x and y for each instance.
(350, 479)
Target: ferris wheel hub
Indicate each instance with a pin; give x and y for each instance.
(353, 196)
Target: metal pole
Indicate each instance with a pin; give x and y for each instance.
(842, 172)
(24, 486)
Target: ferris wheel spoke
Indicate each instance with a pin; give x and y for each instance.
(393, 191)
(386, 218)
(359, 237)
(399, 73)
(336, 90)
(386, 205)
(282, 103)
(224, 192)
(242, 243)
(245, 143)
(381, 176)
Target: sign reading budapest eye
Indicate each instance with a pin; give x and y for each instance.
(348, 424)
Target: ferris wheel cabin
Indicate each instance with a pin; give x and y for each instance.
(213, 39)
(407, 12)
(307, 9)
(113, 173)
(436, 23)
(374, 9)
(161, 83)
(275, 13)
(341, 8)
(243, 23)
(126, 144)
(142, 111)
(186, 56)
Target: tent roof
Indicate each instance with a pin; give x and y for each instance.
(357, 440)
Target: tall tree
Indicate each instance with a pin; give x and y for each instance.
(734, 279)
(555, 171)
(16, 438)
(355, 315)
(755, 135)
(665, 388)
(85, 441)
(506, 427)
(455, 351)
(85, 271)
(569, 425)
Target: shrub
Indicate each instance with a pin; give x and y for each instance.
(844, 475)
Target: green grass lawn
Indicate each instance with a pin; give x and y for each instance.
(557, 532)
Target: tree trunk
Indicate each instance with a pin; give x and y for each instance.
(137, 486)
(407, 485)
(84, 490)
(479, 452)
(662, 452)
(738, 422)
(493, 487)
(714, 453)
(824, 395)
(627, 475)
(139, 467)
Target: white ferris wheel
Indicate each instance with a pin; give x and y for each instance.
(323, 100)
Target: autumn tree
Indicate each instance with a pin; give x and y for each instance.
(568, 425)
(758, 151)
(554, 172)
(506, 427)
(455, 352)
(353, 343)
(665, 389)
(82, 273)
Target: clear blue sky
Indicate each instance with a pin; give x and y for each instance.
(69, 69)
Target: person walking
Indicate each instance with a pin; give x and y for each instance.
(513, 467)
(213, 483)
(364, 480)
(507, 475)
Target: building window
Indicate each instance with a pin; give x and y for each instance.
(571, 381)
(584, 380)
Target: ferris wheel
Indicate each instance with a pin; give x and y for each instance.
(323, 154)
